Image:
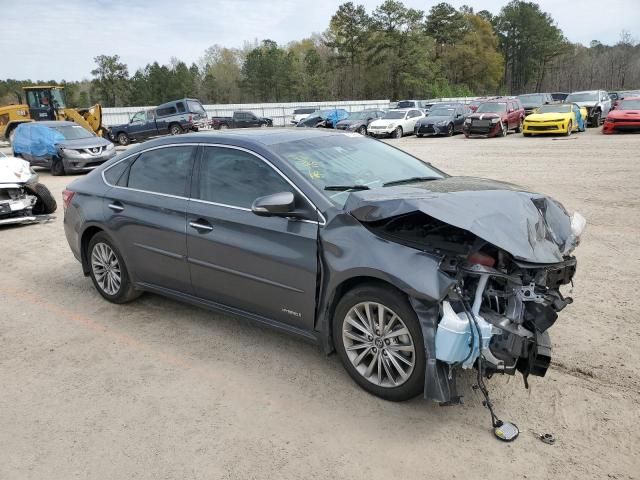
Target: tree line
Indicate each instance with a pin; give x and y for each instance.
(391, 52)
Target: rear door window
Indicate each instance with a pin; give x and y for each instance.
(180, 107)
(236, 178)
(164, 170)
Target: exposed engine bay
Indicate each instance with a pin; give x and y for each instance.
(22, 199)
(501, 308)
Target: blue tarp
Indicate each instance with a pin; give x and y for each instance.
(36, 140)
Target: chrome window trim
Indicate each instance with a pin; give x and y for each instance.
(215, 145)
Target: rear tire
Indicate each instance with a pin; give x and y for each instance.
(108, 271)
(375, 361)
(45, 202)
(123, 139)
(57, 167)
(11, 136)
(175, 129)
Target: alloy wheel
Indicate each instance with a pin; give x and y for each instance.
(378, 344)
(106, 268)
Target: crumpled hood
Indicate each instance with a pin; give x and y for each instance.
(14, 170)
(591, 103)
(484, 116)
(530, 226)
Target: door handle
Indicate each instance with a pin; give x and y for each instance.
(201, 225)
(116, 207)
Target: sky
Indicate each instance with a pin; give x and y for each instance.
(55, 40)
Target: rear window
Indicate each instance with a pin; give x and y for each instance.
(406, 104)
(165, 111)
(195, 107)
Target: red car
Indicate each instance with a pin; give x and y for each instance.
(625, 117)
(495, 118)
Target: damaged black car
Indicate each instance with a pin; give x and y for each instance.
(409, 274)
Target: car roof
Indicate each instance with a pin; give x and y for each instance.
(246, 136)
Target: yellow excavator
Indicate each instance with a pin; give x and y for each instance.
(47, 102)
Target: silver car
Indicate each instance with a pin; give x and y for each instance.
(63, 147)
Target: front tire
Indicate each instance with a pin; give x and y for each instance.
(397, 133)
(379, 341)
(504, 130)
(45, 202)
(362, 130)
(108, 271)
(569, 129)
(57, 167)
(450, 130)
(595, 122)
(123, 139)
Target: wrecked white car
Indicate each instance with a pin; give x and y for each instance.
(22, 199)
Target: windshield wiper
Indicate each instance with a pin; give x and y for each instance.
(409, 180)
(344, 188)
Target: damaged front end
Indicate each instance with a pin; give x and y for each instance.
(22, 199)
(16, 204)
(508, 253)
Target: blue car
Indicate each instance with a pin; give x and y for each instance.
(324, 118)
(63, 147)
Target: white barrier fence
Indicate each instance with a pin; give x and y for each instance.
(280, 113)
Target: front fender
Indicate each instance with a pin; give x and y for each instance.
(342, 258)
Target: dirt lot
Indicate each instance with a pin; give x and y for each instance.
(158, 389)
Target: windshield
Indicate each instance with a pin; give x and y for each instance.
(532, 99)
(195, 107)
(394, 114)
(304, 111)
(492, 107)
(441, 112)
(350, 160)
(583, 97)
(554, 109)
(629, 105)
(58, 98)
(73, 132)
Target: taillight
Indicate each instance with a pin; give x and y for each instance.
(482, 259)
(67, 196)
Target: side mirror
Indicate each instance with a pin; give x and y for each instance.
(275, 205)
(458, 115)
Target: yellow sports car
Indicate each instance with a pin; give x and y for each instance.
(564, 118)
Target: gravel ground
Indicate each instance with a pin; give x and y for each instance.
(158, 389)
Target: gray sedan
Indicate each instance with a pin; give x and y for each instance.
(408, 273)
